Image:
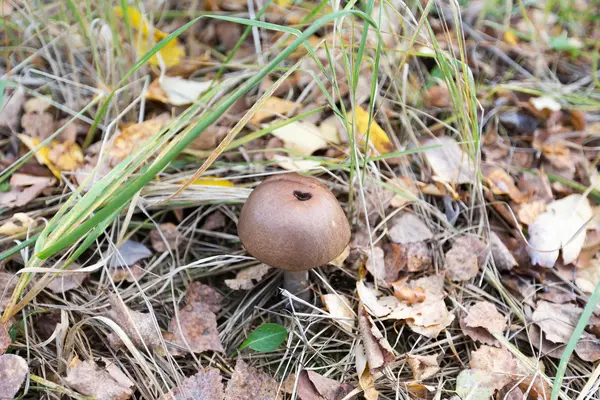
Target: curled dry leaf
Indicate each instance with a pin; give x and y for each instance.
(562, 226)
(204, 385)
(302, 137)
(133, 138)
(312, 386)
(272, 107)
(370, 298)
(249, 277)
(107, 383)
(164, 237)
(200, 293)
(139, 327)
(483, 320)
(423, 367)
(503, 258)
(66, 281)
(340, 309)
(13, 370)
(408, 228)
(409, 295)
(18, 223)
(465, 258)
(249, 383)
(195, 329)
(377, 350)
(501, 183)
(129, 253)
(448, 162)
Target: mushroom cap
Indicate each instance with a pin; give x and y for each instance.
(293, 222)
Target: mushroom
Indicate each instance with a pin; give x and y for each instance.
(293, 223)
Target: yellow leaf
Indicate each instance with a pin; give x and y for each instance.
(18, 223)
(510, 38)
(66, 156)
(272, 107)
(377, 136)
(171, 53)
(133, 137)
(212, 181)
(41, 155)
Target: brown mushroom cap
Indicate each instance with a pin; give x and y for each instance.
(293, 222)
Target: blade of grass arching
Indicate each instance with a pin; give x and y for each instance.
(13, 250)
(566, 356)
(131, 188)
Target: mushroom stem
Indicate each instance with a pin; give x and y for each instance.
(296, 282)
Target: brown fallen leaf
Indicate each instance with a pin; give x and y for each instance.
(418, 256)
(164, 237)
(377, 350)
(501, 183)
(437, 96)
(13, 370)
(465, 258)
(483, 320)
(204, 385)
(66, 281)
(503, 258)
(5, 339)
(195, 328)
(210, 138)
(66, 156)
(37, 104)
(129, 274)
(249, 277)
(408, 228)
(410, 295)
(107, 383)
(133, 138)
(214, 221)
(423, 367)
(129, 253)
(448, 161)
(341, 310)
(8, 283)
(198, 292)
(273, 107)
(312, 386)
(139, 327)
(23, 189)
(38, 125)
(18, 223)
(249, 383)
(10, 110)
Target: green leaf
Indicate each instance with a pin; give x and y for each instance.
(266, 337)
(4, 187)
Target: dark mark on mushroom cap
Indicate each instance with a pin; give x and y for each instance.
(294, 223)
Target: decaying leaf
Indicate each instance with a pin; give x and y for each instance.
(5, 339)
(503, 184)
(66, 156)
(129, 253)
(37, 104)
(448, 162)
(377, 136)
(483, 320)
(423, 367)
(11, 109)
(409, 295)
(249, 277)
(147, 36)
(437, 96)
(180, 91)
(129, 274)
(302, 137)
(198, 292)
(378, 351)
(18, 223)
(376, 264)
(474, 385)
(107, 383)
(588, 278)
(204, 385)
(464, 259)
(133, 138)
(249, 383)
(139, 327)
(503, 258)
(370, 298)
(312, 386)
(408, 228)
(164, 237)
(366, 380)
(272, 107)
(295, 164)
(8, 282)
(562, 226)
(13, 370)
(195, 329)
(24, 189)
(340, 309)
(418, 256)
(66, 281)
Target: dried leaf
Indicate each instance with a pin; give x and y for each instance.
(312, 386)
(366, 381)
(562, 226)
(107, 383)
(5, 339)
(370, 299)
(164, 237)
(272, 107)
(133, 138)
(437, 96)
(448, 161)
(557, 321)
(499, 363)
(483, 320)
(37, 104)
(423, 367)
(147, 36)
(408, 228)
(195, 329)
(129, 274)
(465, 258)
(503, 258)
(66, 156)
(378, 351)
(302, 137)
(204, 385)
(377, 136)
(418, 256)
(66, 281)
(247, 278)
(139, 327)
(376, 265)
(249, 383)
(295, 164)
(24, 189)
(409, 295)
(18, 223)
(588, 278)
(200, 293)
(11, 109)
(38, 126)
(545, 103)
(13, 370)
(503, 184)
(179, 91)
(339, 260)
(41, 154)
(474, 385)
(129, 253)
(8, 283)
(340, 309)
